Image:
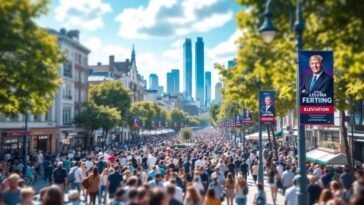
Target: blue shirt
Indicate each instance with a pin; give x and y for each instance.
(12, 198)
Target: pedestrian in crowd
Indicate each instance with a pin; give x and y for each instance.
(313, 189)
(326, 178)
(287, 178)
(241, 188)
(94, 184)
(12, 195)
(53, 196)
(74, 198)
(244, 169)
(255, 172)
(60, 176)
(103, 184)
(325, 196)
(119, 196)
(114, 181)
(171, 194)
(230, 189)
(273, 178)
(210, 198)
(192, 197)
(260, 198)
(290, 196)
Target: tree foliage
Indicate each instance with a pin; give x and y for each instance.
(89, 118)
(29, 59)
(213, 112)
(147, 111)
(185, 134)
(177, 117)
(112, 94)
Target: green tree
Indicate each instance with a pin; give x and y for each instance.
(112, 94)
(89, 119)
(176, 117)
(185, 134)
(330, 25)
(29, 59)
(147, 111)
(108, 118)
(213, 112)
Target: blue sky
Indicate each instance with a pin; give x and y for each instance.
(157, 28)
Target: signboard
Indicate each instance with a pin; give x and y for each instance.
(136, 122)
(316, 87)
(267, 107)
(248, 119)
(238, 120)
(153, 124)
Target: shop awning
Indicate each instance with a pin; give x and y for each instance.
(255, 136)
(278, 134)
(326, 158)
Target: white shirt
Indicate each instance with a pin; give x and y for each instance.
(280, 169)
(151, 161)
(287, 177)
(317, 172)
(200, 163)
(88, 165)
(103, 180)
(78, 175)
(290, 196)
(40, 158)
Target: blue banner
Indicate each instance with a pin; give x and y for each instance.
(248, 118)
(238, 120)
(267, 107)
(316, 70)
(136, 122)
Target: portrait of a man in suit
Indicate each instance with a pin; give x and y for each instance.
(268, 108)
(319, 81)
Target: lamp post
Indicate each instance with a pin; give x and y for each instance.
(25, 144)
(268, 31)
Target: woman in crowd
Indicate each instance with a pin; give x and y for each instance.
(94, 184)
(230, 189)
(52, 196)
(103, 183)
(325, 196)
(210, 198)
(241, 188)
(273, 180)
(192, 197)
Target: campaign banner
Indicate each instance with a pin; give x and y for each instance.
(267, 107)
(153, 124)
(316, 71)
(238, 120)
(136, 122)
(248, 118)
(143, 123)
(160, 124)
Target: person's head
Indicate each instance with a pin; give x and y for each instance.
(133, 194)
(312, 179)
(241, 182)
(53, 196)
(260, 187)
(230, 176)
(171, 190)
(105, 171)
(158, 177)
(325, 196)
(73, 195)
(13, 180)
(210, 193)
(120, 193)
(334, 185)
(316, 64)
(142, 195)
(60, 164)
(268, 100)
(95, 171)
(26, 195)
(132, 181)
(192, 194)
(158, 197)
(335, 202)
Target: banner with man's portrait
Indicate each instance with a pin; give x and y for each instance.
(316, 69)
(248, 119)
(238, 120)
(267, 107)
(136, 122)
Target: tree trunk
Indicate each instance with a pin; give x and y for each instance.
(274, 143)
(344, 132)
(269, 140)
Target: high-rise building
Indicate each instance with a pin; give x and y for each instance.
(231, 63)
(218, 87)
(187, 69)
(207, 88)
(153, 82)
(200, 71)
(173, 82)
(160, 90)
(176, 82)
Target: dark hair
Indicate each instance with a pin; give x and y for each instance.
(325, 196)
(95, 172)
(133, 193)
(171, 189)
(210, 193)
(260, 187)
(157, 196)
(132, 181)
(53, 196)
(120, 192)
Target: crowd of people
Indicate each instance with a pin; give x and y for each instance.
(209, 171)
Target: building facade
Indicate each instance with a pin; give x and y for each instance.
(200, 72)
(218, 88)
(153, 81)
(173, 82)
(207, 88)
(187, 69)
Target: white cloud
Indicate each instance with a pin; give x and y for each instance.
(226, 48)
(166, 18)
(84, 14)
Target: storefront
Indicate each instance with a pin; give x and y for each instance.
(71, 139)
(40, 139)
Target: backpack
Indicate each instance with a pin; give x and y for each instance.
(71, 175)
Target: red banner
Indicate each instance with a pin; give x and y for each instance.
(317, 109)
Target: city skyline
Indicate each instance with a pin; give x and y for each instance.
(110, 28)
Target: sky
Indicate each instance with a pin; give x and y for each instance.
(157, 29)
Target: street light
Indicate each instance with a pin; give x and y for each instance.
(267, 31)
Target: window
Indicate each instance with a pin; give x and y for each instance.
(85, 61)
(83, 96)
(48, 115)
(67, 92)
(77, 75)
(83, 77)
(76, 95)
(66, 114)
(37, 118)
(67, 70)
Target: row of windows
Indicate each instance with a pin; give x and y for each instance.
(76, 57)
(67, 92)
(79, 98)
(36, 118)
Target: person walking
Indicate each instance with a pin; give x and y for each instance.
(230, 189)
(273, 179)
(94, 183)
(192, 197)
(241, 188)
(210, 198)
(260, 198)
(60, 176)
(103, 183)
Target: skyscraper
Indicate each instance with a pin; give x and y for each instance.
(200, 71)
(173, 82)
(207, 88)
(153, 82)
(187, 69)
(218, 87)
